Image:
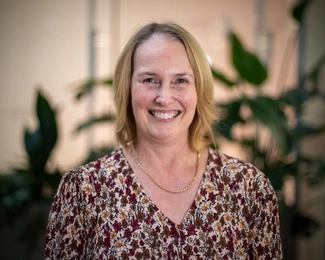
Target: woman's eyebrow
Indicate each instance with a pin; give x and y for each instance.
(182, 74)
(178, 74)
(146, 73)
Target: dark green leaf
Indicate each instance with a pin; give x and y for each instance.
(95, 120)
(221, 77)
(295, 97)
(14, 188)
(306, 130)
(33, 146)
(84, 89)
(314, 76)
(267, 111)
(88, 86)
(276, 174)
(107, 82)
(247, 64)
(232, 117)
(299, 10)
(39, 144)
(47, 123)
(298, 95)
(304, 225)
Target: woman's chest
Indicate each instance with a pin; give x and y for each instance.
(136, 228)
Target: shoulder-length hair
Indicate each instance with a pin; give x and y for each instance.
(200, 130)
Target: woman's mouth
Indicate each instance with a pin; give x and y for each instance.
(165, 115)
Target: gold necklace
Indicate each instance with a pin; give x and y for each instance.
(163, 188)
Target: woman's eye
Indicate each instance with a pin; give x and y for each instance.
(181, 81)
(149, 80)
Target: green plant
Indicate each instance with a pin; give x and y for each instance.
(268, 113)
(273, 145)
(82, 91)
(21, 187)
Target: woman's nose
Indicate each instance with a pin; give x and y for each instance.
(164, 95)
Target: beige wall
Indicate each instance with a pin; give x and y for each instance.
(45, 42)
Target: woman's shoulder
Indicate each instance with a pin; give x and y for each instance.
(223, 159)
(92, 169)
(232, 166)
(235, 173)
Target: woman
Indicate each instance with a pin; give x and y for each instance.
(165, 194)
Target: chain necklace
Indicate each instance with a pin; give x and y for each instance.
(165, 189)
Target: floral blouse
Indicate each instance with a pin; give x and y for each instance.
(102, 212)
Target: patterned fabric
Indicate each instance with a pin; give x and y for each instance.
(102, 212)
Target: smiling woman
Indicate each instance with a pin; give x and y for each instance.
(164, 194)
(163, 91)
(201, 133)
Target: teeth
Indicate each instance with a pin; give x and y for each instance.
(164, 115)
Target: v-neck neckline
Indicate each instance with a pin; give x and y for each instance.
(157, 209)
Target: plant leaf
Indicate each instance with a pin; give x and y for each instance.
(276, 174)
(39, 144)
(85, 88)
(247, 64)
(295, 97)
(32, 141)
(221, 77)
(267, 111)
(314, 75)
(47, 122)
(299, 10)
(306, 130)
(94, 121)
(232, 116)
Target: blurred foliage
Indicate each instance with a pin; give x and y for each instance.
(31, 183)
(269, 113)
(279, 156)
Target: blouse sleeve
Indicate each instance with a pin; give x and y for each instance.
(66, 231)
(265, 223)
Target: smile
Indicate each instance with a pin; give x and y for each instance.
(162, 115)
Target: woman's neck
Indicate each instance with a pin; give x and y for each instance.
(166, 154)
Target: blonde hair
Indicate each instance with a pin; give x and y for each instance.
(200, 131)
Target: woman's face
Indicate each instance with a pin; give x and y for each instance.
(163, 90)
